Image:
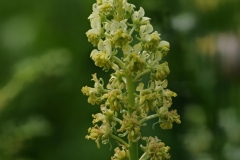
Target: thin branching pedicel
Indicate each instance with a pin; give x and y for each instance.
(127, 43)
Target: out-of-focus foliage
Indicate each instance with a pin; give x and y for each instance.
(44, 62)
(14, 134)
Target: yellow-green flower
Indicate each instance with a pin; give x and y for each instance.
(155, 149)
(99, 133)
(150, 41)
(138, 19)
(102, 56)
(120, 154)
(95, 34)
(135, 60)
(164, 47)
(160, 71)
(118, 32)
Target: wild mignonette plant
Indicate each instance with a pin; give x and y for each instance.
(127, 44)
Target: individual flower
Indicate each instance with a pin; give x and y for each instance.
(118, 33)
(94, 35)
(117, 80)
(103, 7)
(94, 93)
(163, 47)
(102, 56)
(114, 99)
(138, 19)
(163, 111)
(107, 116)
(99, 133)
(167, 97)
(155, 149)
(155, 95)
(106, 7)
(168, 118)
(134, 59)
(128, 9)
(147, 98)
(130, 125)
(98, 117)
(95, 13)
(150, 41)
(144, 31)
(94, 97)
(120, 154)
(160, 71)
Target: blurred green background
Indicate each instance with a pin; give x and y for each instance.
(44, 62)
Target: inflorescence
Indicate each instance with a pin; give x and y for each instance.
(127, 43)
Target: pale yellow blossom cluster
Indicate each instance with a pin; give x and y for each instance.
(126, 43)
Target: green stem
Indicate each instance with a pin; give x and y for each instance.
(119, 140)
(144, 156)
(119, 15)
(141, 74)
(118, 120)
(130, 91)
(133, 146)
(133, 150)
(133, 28)
(119, 62)
(148, 118)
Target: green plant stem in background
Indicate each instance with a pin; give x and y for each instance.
(124, 100)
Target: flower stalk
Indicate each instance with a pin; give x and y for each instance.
(124, 101)
(119, 140)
